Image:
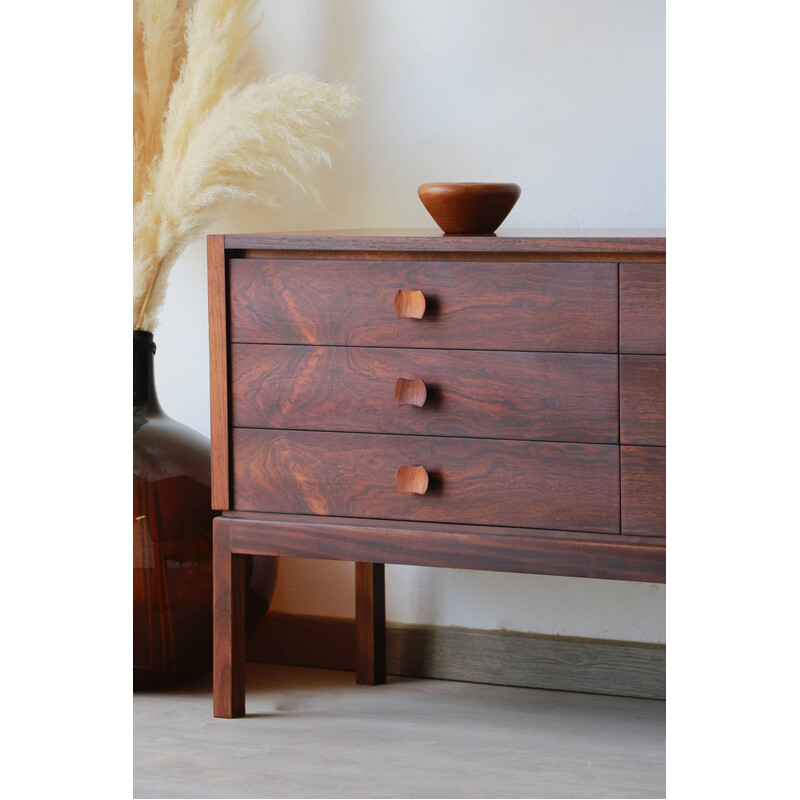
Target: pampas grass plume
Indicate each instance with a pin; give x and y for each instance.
(205, 137)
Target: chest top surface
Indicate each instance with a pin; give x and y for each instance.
(431, 240)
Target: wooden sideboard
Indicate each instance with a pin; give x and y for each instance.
(477, 402)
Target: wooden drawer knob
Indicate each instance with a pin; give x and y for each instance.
(410, 393)
(409, 305)
(412, 480)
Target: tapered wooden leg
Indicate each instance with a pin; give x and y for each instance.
(229, 631)
(370, 624)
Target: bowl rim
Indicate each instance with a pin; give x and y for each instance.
(467, 185)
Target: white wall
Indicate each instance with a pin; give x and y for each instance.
(565, 98)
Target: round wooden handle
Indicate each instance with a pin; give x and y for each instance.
(409, 304)
(412, 480)
(410, 393)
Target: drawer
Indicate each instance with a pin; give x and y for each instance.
(513, 395)
(642, 308)
(474, 481)
(643, 490)
(642, 399)
(468, 305)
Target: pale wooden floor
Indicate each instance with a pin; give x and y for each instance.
(314, 733)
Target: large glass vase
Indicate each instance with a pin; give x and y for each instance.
(172, 537)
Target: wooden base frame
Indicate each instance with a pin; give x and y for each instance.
(229, 625)
(370, 546)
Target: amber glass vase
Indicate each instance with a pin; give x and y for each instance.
(172, 533)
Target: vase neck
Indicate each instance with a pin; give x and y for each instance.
(145, 398)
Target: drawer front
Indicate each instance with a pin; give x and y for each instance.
(642, 308)
(643, 490)
(564, 307)
(642, 399)
(513, 395)
(473, 481)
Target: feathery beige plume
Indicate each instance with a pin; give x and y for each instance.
(204, 138)
(159, 48)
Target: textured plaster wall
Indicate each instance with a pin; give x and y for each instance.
(564, 97)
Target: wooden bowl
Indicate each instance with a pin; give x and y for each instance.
(469, 208)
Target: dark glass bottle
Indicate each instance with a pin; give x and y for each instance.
(172, 537)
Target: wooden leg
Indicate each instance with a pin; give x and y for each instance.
(229, 639)
(370, 624)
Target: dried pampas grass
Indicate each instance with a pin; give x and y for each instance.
(205, 137)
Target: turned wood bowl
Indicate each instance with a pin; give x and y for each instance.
(469, 208)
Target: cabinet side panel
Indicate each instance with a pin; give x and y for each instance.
(218, 373)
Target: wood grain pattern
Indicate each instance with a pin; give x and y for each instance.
(229, 624)
(643, 472)
(622, 241)
(525, 436)
(218, 369)
(541, 552)
(521, 484)
(370, 624)
(547, 396)
(642, 308)
(491, 305)
(469, 208)
(642, 401)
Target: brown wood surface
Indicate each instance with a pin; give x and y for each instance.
(612, 242)
(642, 399)
(642, 308)
(412, 480)
(410, 392)
(409, 304)
(539, 552)
(643, 473)
(469, 208)
(229, 624)
(522, 484)
(218, 369)
(554, 505)
(514, 395)
(469, 305)
(370, 624)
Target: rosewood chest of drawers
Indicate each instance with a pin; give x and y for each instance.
(483, 402)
